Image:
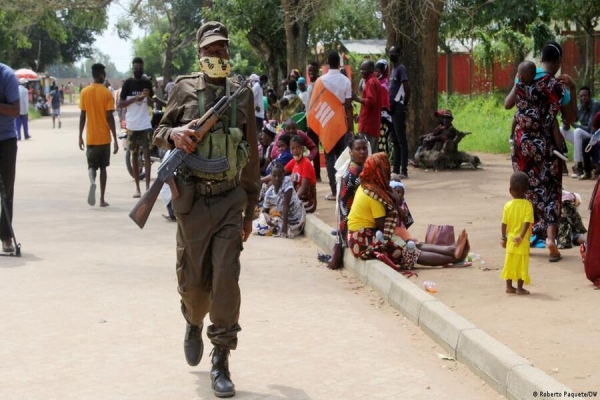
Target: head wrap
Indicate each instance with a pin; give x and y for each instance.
(375, 180)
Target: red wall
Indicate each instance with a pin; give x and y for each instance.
(468, 78)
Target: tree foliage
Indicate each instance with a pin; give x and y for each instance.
(35, 34)
(345, 20)
(176, 20)
(151, 49)
(262, 22)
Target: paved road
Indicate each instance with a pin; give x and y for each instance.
(91, 310)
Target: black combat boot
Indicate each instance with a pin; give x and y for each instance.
(192, 344)
(219, 373)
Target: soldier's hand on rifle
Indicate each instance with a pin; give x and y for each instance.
(184, 137)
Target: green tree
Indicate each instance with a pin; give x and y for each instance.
(262, 23)
(151, 49)
(298, 16)
(176, 20)
(345, 20)
(585, 16)
(37, 33)
(506, 30)
(413, 26)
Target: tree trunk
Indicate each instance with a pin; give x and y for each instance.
(297, 17)
(413, 27)
(274, 61)
(167, 63)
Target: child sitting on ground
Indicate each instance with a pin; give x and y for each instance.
(526, 76)
(517, 219)
(302, 175)
(285, 212)
(571, 231)
(285, 155)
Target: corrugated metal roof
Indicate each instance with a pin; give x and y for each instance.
(377, 46)
(365, 46)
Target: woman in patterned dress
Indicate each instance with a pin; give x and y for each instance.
(532, 150)
(359, 152)
(374, 211)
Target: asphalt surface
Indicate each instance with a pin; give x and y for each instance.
(91, 311)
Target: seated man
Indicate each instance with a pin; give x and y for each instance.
(586, 110)
(591, 154)
(436, 139)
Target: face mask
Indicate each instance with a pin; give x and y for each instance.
(394, 57)
(138, 74)
(215, 67)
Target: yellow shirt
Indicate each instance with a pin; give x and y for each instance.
(516, 213)
(364, 211)
(96, 100)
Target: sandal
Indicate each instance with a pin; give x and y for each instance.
(554, 253)
(330, 197)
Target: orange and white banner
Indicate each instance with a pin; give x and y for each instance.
(326, 116)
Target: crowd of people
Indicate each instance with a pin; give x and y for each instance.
(271, 140)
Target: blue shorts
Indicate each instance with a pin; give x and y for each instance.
(56, 111)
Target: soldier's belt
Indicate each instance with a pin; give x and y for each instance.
(213, 188)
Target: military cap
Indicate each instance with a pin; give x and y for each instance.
(211, 32)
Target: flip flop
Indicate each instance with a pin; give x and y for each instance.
(459, 264)
(554, 253)
(330, 197)
(92, 195)
(555, 258)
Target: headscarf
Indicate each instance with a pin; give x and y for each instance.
(375, 181)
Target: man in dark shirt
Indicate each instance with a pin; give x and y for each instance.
(135, 96)
(399, 98)
(582, 133)
(9, 110)
(54, 100)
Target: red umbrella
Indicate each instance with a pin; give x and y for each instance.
(27, 74)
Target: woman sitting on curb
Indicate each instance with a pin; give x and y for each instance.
(374, 211)
(359, 151)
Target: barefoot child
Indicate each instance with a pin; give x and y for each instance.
(517, 219)
(287, 215)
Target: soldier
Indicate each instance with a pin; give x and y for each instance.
(214, 210)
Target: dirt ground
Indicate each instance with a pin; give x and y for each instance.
(555, 326)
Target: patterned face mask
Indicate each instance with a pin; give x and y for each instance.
(215, 67)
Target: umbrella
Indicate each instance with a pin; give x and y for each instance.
(26, 73)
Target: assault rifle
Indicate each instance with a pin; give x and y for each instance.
(139, 214)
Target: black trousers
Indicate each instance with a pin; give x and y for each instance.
(331, 158)
(317, 160)
(8, 164)
(588, 159)
(399, 142)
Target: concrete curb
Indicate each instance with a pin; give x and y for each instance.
(509, 374)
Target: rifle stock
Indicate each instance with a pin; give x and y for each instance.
(140, 213)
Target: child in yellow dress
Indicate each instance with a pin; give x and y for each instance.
(517, 219)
